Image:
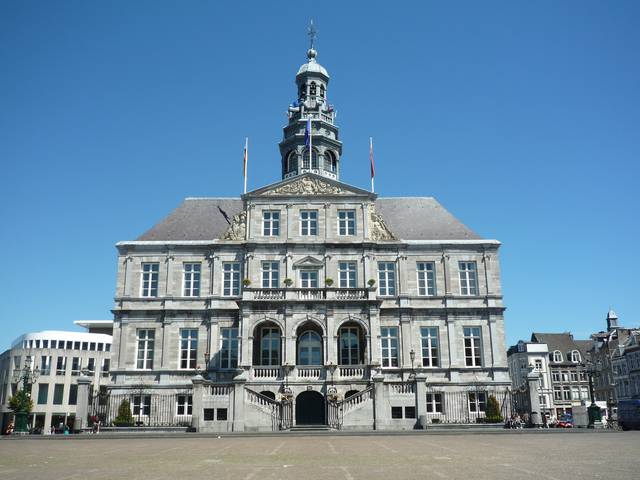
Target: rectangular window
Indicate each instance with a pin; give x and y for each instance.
(574, 376)
(73, 394)
(106, 365)
(231, 279)
(146, 339)
(308, 222)
(76, 366)
(43, 393)
(45, 343)
(308, 279)
(91, 365)
(389, 344)
(434, 403)
(191, 280)
(396, 412)
(209, 414)
(188, 348)
(61, 365)
(141, 405)
(347, 274)
(468, 278)
(557, 393)
(477, 402)
(221, 414)
(150, 279)
(472, 346)
(45, 365)
(58, 393)
(555, 376)
(270, 274)
(426, 278)
(271, 223)
(538, 365)
(386, 278)
(409, 412)
(429, 339)
(346, 222)
(184, 405)
(229, 348)
(566, 393)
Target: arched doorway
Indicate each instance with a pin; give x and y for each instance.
(310, 408)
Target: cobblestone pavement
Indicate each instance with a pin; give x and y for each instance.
(547, 456)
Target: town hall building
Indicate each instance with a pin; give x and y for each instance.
(308, 302)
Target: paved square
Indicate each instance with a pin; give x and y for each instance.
(553, 455)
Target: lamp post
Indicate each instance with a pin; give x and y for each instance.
(28, 376)
(595, 415)
(412, 356)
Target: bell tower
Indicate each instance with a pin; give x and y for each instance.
(310, 142)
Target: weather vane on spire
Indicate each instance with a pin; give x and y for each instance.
(312, 32)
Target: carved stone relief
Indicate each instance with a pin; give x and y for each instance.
(238, 227)
(306, 186)
(378, 229)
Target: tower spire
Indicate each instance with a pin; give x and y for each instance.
(312, 32)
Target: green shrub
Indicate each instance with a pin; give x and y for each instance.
(124, 418)
(21, 402)
(493, 410)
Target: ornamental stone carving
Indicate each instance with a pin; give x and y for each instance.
(378, 229)
(306, 186)
(237, 228)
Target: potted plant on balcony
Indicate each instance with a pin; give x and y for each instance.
(287, 282)
(328, 281)
(371, 282)
(246, 282)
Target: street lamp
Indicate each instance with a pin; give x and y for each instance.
(595, 415)
(412, 356)
(28, 376)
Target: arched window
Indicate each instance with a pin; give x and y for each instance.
(266, 346)
(557, 356)
(330, 163)
(310, 348)
(292, 162)
(314, 159)
(350, 345)
(575, 356)
(303, 91)
(321, 91)
(312, 89)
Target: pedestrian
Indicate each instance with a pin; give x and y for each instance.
(545, 420)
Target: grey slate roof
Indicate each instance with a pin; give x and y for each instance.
(417, 218)
(563, 342)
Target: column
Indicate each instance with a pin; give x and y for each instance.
(533, 380)
(238, 403)
(381, 415)
(197, 394)
(421, 399)
(82, 407)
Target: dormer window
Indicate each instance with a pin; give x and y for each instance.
(575, 356)
(557, 356)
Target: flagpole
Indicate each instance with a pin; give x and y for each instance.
(371, 163)
(246, 160)
(310, 142)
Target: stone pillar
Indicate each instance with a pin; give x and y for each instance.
(421, 399)
(533, 381)
(381, 416)
(82, 407)
(197, 395)
(238, 402)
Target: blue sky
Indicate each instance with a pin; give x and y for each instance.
(522, 118)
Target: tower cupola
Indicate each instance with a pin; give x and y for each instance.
(310, 142)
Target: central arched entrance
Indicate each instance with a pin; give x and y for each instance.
(310, 408)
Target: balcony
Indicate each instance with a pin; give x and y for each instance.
(308, 294)
(309, 372)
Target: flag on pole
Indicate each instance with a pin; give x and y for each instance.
(373, 168)
(245, 160)
(307, 133)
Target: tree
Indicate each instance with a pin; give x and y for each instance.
(124, 418)
(21, 402)
(493, 410)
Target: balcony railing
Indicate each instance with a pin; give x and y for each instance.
(310, 372)
(266, 373)
(308, 294)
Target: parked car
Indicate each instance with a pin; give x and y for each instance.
(565, 421)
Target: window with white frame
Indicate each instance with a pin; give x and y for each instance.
(477, 402)
(45, 365)
(146, 340)
(472, 346)
(426, 278)
(270, 274)
(308, 223)
(308, 278)
(557, 393)
(386, 278)
(538, 365)
(557, 356)
(349, 342)
(149, 284)
(61, 365)
(191, 279)
(141, 405)
(429, 340)
(270, 346)
(468, 278)
(271, 223)
(188, 348)
(229, 348)
(575, 356)
(76, 366)
(434, 403)
(346, 222)
(184, 405)
(231, 279)
(389, 346)
(347, 274)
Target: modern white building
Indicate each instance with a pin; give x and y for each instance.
(525, 357)
(308, 301)
(57, 358)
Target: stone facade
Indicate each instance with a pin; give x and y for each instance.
(311, 299)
